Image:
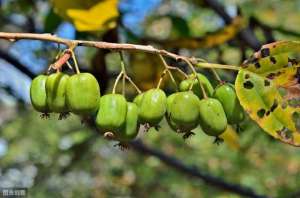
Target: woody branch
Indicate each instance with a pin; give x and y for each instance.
(111, 46)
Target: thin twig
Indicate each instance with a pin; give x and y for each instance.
(106, 45)
(97, 44)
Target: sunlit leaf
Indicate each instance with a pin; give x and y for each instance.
(91, 15)
(273, 49)
(268, 89)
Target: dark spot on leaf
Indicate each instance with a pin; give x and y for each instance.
(271, 76)
(247, 76)
(268, 113)
(254, 60)
(298, 75)
(274, 106)
(261, 113)
(248, 84)
(294, 102)
(285, 133)
(257, 65)
(267, 83)
(296, 119)
(284, 105)
(265, 52)
(292, 61)
(250, 60)
(273, 60)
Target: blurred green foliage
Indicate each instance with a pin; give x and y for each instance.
(41, 154)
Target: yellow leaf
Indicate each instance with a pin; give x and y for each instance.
(263, 102)
(268, 89)
(91, 15)
(231, 138)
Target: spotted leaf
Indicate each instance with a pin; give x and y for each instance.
(275, 48)
(268, 89)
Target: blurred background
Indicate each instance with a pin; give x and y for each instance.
(64, 158)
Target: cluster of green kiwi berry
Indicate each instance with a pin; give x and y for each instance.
(184, 110)
(212, 111)
(80, 94)
(189, 108)
(61, 93)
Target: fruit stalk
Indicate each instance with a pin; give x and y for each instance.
(124, 72)
(74, 59)
(216, 75)
(179, 71)
(116, 82)
(133, 84)
(195, 73)
(161, 78)
(168, 70)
